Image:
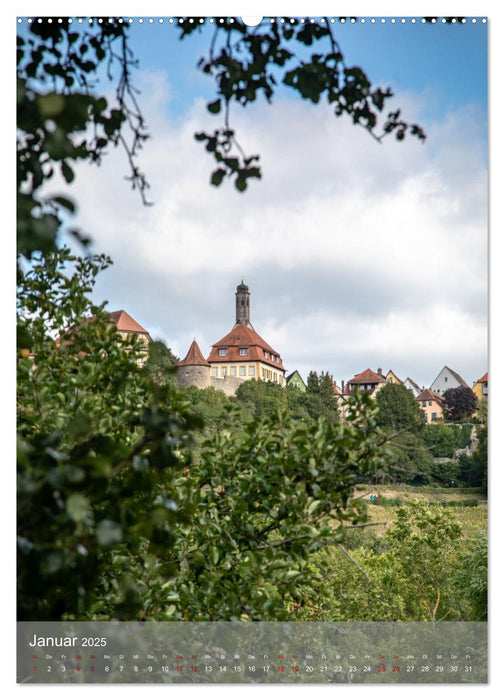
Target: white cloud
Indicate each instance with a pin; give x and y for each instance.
(388, 240)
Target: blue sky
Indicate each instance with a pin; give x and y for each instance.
(449, 61)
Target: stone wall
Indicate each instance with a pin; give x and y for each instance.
(200, 377)
(189, 375)
(228, 384)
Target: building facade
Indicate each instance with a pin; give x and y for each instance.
(431, 404)
(447, 379)
(480, 387)
(296, 380)
(241, 355)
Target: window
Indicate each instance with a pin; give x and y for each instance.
(446, 379)
(222, 352)
(224, 371)
(266, 354)
(233, 371)
(433, 416)
(430, 403)
(251, 371)
(242, 371)
(214, 371)
(243, 351)
(424, 404)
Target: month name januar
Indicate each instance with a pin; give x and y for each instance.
(52, 641)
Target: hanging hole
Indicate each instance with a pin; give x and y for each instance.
(252, 21)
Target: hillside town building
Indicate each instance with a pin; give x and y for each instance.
(239, 356)
(296, 380)
(432, 405)
(480, 387)
(447, 379)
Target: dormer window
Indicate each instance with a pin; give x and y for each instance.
(222, 352)
(266, 354)
(243, 351)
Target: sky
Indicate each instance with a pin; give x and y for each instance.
(356, 254)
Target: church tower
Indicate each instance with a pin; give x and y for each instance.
(243, 305)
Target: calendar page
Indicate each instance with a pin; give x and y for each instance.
(252, 362)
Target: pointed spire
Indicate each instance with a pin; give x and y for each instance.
(194, 357)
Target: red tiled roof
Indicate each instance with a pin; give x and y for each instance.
(242, 336)
(125, 323)
(483, 379)
(429, 395)
(121, 320)
(367, 377)
(194, 357)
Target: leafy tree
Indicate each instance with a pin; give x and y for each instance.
(474, 468)
(414, 574)
(460, 403)
(424, 540)
(161, 363)
(439, 439)
(399, 410)
(447, 473)
(472, 576)
(264, 500)
(261, 398)
(212, 406)
(313, 383)
(248, 62)
(99, 449)
(319, 399)
(410, 462)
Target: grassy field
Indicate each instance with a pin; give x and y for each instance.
(473, 517)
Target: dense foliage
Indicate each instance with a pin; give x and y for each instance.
(460, 403)
(420, 569)
(97, 445)
(399, 410)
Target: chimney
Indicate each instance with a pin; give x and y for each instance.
(379, 370)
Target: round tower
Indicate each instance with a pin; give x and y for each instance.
(193, 370)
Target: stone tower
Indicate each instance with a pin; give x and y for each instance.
(194, 370)
(243, 305)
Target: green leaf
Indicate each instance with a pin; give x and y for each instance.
(67, 171)
(214, 555)
(65, 202)
(214, 107)
(313, 507)
(218, 176)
